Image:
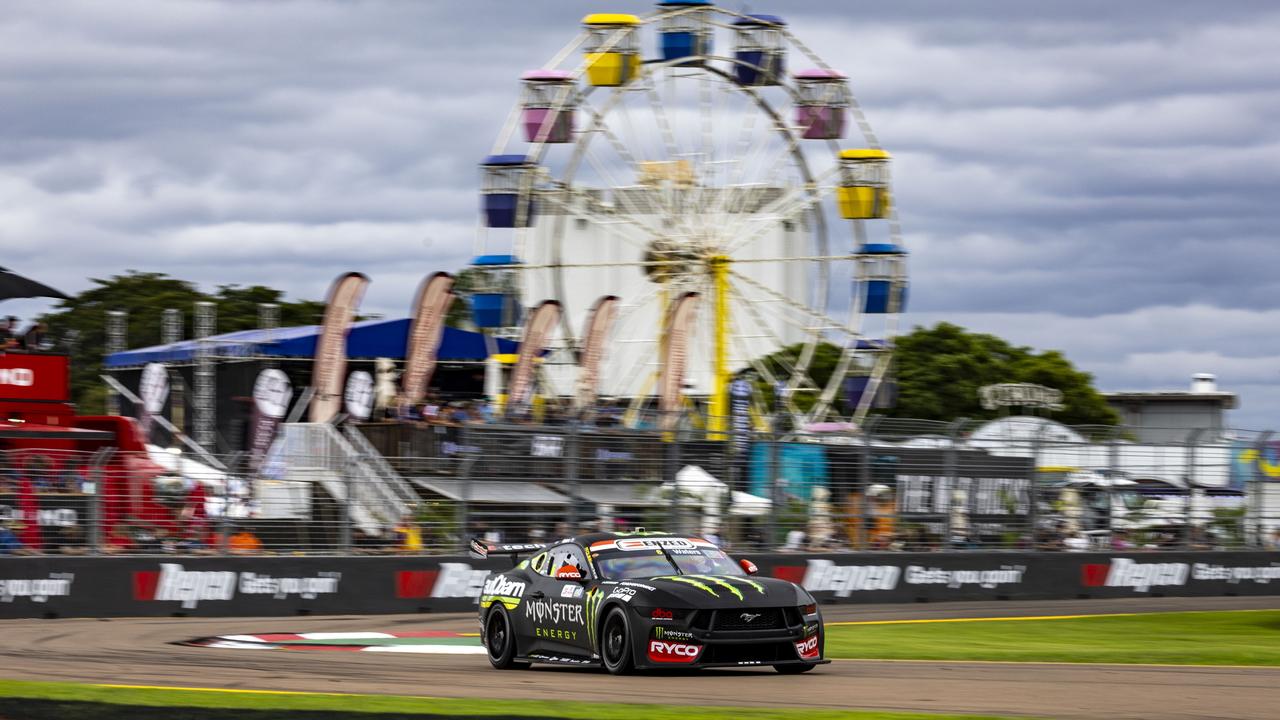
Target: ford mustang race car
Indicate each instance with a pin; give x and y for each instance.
(642, 600)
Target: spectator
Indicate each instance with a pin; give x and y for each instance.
(39, 471)
(69, 540)
(36, 339)
(8, 333)
(409, 534)
(10, 543)
(244, 543)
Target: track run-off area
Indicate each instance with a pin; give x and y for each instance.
(145, 651)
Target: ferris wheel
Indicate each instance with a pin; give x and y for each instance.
(706, 167)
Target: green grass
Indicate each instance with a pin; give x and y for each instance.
(67, 701)
(1182, 638)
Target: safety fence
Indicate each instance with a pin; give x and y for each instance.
(53, 586)
(410, 488)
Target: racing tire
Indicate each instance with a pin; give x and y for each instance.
(500, 641)
(793, 669)
(615, 643)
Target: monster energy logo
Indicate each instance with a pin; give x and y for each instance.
(700, 582)
(594, 597)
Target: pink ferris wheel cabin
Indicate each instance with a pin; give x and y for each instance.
(547, 105)
(823, 97)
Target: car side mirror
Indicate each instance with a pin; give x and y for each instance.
(748, 567)
(569, 572)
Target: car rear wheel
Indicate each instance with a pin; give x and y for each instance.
(615, 643)
(500, 641)
(793, 669)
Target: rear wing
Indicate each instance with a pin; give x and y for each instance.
(481, 549)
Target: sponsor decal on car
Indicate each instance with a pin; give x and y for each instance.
(554, 612)
(724, 582)
(555, 633)
(661, 651)
(622, 593)
(642, 586)
(174, 583)
(653, 543)
(808, 648)
(501, 589)
(1005, 575)
(663, 633)
(594, 597)
(1140, 577)
(843, 580)
(37, 590)
(661, 614)
(571, 592)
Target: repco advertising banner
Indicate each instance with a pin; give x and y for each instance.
(53, 586)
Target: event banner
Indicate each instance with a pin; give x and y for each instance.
(248, 586)
(271, 395)
(435, 295)
(594, 337)
(536, 331)
(675, 357)
(331, 347)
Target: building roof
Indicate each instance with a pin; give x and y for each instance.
(367, 339)
(1227, 400)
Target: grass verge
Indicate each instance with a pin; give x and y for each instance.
(1178, 638)
(68, 701)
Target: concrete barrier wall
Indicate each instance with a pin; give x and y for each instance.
(52, 586)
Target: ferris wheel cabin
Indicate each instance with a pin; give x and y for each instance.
(760, 50)
(881, 281)
(547, 105)
(494, 300)
(507, 191)
(612, 48)
(863, 193)
(686, 31)
(822, 98)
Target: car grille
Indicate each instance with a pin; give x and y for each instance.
(769, 619)
(754, 652)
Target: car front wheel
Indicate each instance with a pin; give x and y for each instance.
(500, 641)
(615, 643)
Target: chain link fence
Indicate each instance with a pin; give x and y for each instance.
(416, 488)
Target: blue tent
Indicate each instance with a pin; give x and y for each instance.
(367, 340)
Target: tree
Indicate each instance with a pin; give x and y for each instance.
(464, 285)
(939, 370)
(80, 322)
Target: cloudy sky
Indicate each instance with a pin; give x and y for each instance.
(1097, 177)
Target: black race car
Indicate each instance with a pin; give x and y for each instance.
(643, 600)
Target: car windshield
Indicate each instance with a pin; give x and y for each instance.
(652, 563)
(704, 561)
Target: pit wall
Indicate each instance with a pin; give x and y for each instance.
(260, 586)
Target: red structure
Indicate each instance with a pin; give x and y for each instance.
(42, 438)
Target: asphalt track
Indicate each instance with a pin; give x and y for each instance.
(137, 651)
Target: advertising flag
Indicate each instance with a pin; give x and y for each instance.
(536, 330)
(153, 391)
(331, 347)
(435, 295)
(675, 357)
(271, 395)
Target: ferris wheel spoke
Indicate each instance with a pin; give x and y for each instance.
(826, 323)
(755, 358)
(619, 226)
(634, 213)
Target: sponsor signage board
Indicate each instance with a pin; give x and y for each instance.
(81, 586)
(34, 378)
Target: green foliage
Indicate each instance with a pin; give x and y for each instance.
(145, 296)
(940, 369)
(464, 284)
(1200, 638)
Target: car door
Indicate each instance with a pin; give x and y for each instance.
(555, 612)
